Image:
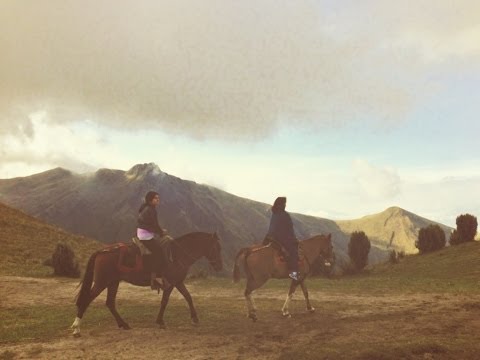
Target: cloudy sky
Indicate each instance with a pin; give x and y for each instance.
(345, 107)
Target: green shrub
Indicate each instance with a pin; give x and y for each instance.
(466, 229)
(64, 262)
(393, 257)
(358, 249)
(430, 238)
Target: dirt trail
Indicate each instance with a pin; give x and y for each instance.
(344, 318)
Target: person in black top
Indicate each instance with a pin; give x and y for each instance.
(281, 231)
(152, 236)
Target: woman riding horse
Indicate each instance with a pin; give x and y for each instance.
(154, 238)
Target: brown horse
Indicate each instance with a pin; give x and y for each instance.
(102, 270)
(264, 262)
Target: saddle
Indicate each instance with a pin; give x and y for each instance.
(281, 254)
(129, 260)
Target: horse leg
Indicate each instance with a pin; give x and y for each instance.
(291, 291)
(310, 308)
(251, 308)
(94, 292)
(165, 297)
(111, 296)
(183, 290)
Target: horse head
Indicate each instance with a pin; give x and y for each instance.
(214, 255)
(326, 251)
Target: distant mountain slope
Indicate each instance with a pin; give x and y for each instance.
(26, 242)
(394, 228)
(103, 205)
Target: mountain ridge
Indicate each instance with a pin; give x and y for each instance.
(103, 205)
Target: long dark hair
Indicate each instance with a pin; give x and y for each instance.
(279, 204)
(148, 199)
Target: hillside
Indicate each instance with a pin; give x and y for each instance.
(394, 228)
(103, 206)
(26, 242)
(452, 269)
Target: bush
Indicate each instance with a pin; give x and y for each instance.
(394, 257)
(454, 238)
(64, 262)
(466, 229)
(358, 249)
(430, 238)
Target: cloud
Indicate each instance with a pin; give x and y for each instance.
(444, 199)
(71, 147)
(222, 69)
(377, 182)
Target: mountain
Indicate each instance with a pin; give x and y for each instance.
(392, 229)
(103, 205)
(26, 242)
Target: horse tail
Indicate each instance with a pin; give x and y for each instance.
(86, 283)
(236, 267)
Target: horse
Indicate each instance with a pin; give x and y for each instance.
(103, 271)
(264, 262)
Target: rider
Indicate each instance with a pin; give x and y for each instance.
(154, 238)
(281, 230)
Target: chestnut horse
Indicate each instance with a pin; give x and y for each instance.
(264, 262)
(102, 270)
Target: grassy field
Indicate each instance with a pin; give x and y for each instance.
(425, 307)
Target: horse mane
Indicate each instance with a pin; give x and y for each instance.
(323, 236)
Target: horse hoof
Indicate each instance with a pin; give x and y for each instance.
(253, 317)
(287, 315)
(125, 327)
(77, 335)
(311, 310)
(195, 321)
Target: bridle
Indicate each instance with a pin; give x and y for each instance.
(211, 252)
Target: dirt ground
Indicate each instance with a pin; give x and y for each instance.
(342, 321)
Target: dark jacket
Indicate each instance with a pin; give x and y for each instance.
(147, 220)
(281, 228)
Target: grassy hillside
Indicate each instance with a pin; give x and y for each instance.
(394, 228)
(26, 242)
(454, 268)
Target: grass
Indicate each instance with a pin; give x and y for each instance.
(326, 334)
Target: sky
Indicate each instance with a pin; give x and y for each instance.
(345, 107)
